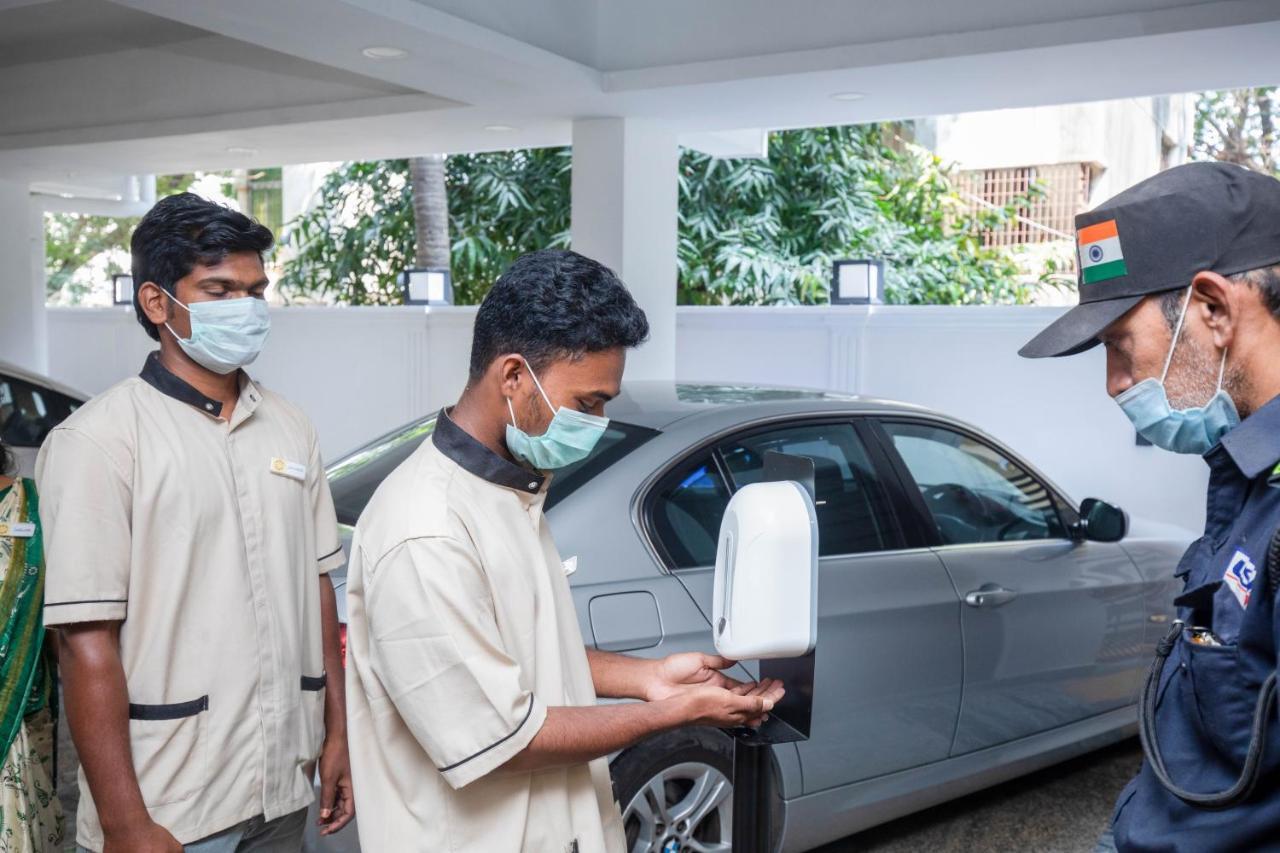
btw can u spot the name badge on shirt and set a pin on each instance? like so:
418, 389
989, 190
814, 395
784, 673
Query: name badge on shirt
18, 529
570, 566
292, 470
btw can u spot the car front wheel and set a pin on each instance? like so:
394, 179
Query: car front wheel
676, 793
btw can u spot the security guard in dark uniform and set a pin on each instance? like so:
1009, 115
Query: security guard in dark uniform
1180, 279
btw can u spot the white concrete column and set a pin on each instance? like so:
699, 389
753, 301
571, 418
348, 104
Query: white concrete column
624, 215
23, 325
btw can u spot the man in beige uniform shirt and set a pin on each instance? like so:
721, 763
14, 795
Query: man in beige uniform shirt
472, 699
188, 530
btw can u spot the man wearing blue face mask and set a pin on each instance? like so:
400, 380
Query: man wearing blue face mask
1180, 280
472, 699
188, 533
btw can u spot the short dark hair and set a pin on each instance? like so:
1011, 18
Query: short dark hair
554, 304
7, 462
183, 230
1265, 280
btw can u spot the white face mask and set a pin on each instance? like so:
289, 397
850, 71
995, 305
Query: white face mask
226, 334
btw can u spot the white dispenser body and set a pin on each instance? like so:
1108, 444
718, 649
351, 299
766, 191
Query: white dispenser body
766, 581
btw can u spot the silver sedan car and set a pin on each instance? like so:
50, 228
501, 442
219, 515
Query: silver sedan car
973, 626
30, 406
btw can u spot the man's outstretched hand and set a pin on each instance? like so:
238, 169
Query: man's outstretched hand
681, 673
677, 673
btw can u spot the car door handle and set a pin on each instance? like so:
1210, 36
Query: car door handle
990, 595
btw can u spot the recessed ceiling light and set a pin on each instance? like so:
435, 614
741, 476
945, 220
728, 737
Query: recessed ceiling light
848, 96
499, 128
242, 152
383, 51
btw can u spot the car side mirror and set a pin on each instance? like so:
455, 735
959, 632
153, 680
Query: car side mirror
765, 602
1102, 522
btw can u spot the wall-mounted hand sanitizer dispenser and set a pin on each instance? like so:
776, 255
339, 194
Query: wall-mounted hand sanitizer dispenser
766, 583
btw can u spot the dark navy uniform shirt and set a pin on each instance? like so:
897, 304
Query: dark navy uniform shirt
1207, 694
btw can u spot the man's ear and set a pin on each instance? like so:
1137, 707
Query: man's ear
154, 302
509, 368
1220, 305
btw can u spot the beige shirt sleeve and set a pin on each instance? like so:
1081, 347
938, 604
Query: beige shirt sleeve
329, 554
86, 508
435, 646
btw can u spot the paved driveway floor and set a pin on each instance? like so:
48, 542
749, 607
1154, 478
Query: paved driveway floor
1059, 810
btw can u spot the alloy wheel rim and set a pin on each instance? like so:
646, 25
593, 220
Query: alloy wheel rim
684, 808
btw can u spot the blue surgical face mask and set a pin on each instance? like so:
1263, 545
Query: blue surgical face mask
226, 334
570, 437
1195, 430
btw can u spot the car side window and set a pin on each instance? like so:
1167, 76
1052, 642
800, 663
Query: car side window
853, 508
686, 512
28, 412
973, 492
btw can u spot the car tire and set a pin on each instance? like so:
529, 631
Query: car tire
676, 763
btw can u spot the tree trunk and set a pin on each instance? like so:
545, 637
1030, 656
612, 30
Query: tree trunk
430, 210
244, 194
1267, 141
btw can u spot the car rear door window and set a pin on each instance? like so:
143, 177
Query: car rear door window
354, 478
686, 512
853, 508
29, 412
973, 492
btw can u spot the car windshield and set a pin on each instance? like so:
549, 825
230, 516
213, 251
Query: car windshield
355, 477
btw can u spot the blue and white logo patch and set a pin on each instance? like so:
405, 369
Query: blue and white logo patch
1239, 576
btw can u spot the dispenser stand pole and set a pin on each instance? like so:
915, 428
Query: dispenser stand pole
752, 796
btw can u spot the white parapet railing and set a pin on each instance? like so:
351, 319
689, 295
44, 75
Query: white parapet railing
360, 372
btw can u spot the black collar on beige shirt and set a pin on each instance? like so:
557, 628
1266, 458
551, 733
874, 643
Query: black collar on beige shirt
158, 376
456, 443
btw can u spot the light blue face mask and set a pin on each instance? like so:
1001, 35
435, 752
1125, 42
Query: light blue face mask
226, 334
1195, 430
570, 437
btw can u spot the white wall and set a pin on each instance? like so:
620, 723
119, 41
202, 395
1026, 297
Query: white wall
358, 372
1123, 136
362, 371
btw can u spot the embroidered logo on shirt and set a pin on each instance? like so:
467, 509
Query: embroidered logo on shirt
1239, 576
292, 470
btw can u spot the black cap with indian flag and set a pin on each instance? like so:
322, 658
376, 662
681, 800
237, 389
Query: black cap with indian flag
1155, 236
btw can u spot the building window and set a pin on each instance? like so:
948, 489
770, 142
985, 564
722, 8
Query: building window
1063, 192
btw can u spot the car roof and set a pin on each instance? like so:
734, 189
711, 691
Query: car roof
10, 369
658, 404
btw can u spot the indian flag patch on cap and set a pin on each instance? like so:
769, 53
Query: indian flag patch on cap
1100, 255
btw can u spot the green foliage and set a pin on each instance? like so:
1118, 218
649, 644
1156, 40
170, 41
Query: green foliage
359, 235
501, 205
750, 231
1239, 126
766, 231
71, 241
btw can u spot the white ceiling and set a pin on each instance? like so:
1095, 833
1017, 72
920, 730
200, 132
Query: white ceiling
92, 86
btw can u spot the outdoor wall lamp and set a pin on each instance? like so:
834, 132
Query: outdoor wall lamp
857, 281
122, 289
427, 286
